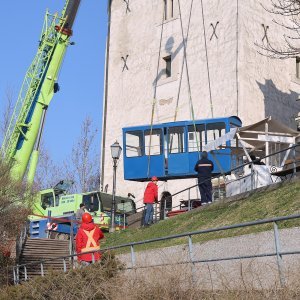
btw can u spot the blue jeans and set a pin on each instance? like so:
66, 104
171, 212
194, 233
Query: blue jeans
148, 214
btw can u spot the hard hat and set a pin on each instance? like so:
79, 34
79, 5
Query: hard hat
87, 218
154, 178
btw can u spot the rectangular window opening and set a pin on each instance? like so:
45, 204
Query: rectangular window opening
171, 8
168, 61
168, 9
298, 67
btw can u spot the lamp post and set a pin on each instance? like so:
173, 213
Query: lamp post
116, 150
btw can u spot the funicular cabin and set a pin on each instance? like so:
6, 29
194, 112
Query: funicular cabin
171, 150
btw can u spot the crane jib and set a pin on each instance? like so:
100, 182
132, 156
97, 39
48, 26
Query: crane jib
71, 11
25, 127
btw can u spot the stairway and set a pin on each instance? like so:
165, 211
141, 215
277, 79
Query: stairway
36, 250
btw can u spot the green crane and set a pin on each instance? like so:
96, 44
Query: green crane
23, 136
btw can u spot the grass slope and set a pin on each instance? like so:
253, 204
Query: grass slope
283, 201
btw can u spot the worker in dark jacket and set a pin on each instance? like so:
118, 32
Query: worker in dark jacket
204, 168
150, 196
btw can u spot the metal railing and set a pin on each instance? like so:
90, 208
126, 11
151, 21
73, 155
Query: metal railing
157, 213
250, 164
190, 260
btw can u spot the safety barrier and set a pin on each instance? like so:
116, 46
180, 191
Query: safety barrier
191, 260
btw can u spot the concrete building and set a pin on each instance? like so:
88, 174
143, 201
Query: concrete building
179, 58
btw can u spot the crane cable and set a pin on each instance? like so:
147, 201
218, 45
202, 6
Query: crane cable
155, 90
207, 64
182, 65
187, 74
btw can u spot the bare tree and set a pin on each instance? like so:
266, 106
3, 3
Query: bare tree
14, 206
48, 173
286, 14
7, 110
83, 168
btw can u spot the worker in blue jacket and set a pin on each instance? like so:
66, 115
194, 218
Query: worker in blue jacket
204, 168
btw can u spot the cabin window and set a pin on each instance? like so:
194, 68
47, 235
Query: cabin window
168, 68
196, 138
47, 200
124, 206
176, 140
91, 202
134, 141
232, 125
56, 200
153, 142
214, 131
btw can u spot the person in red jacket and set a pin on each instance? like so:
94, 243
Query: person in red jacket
150, 196
88, 239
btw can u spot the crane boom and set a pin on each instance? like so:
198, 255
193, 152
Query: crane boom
22, 138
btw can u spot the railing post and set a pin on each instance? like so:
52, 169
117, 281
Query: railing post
18, 274
15, 276
278, 255
252, 177
42, 269
189, 203
25, 273
132, 256
65, 265
124, 220
219, 189
294, 162
191, 255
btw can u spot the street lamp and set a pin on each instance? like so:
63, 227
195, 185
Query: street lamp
116, 150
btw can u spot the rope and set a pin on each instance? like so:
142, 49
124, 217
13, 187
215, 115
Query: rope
182, 65
207, 65
187, 74
155, 90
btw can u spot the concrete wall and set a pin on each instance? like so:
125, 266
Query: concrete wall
255, 272
242, 82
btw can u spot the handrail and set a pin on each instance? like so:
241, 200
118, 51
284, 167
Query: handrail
274, 220
223, 228
234, 169
21, 241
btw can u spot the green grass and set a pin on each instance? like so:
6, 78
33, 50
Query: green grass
283, 201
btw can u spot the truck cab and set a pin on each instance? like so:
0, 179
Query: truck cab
58, 203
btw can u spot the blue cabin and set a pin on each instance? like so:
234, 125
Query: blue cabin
171, 150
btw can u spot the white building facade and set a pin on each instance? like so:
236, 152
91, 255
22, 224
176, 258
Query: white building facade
181, 59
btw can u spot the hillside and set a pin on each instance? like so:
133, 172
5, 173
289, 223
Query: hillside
280, 200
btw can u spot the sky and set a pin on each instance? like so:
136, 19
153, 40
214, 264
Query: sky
82, 74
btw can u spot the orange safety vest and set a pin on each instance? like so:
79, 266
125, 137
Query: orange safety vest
91, 244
